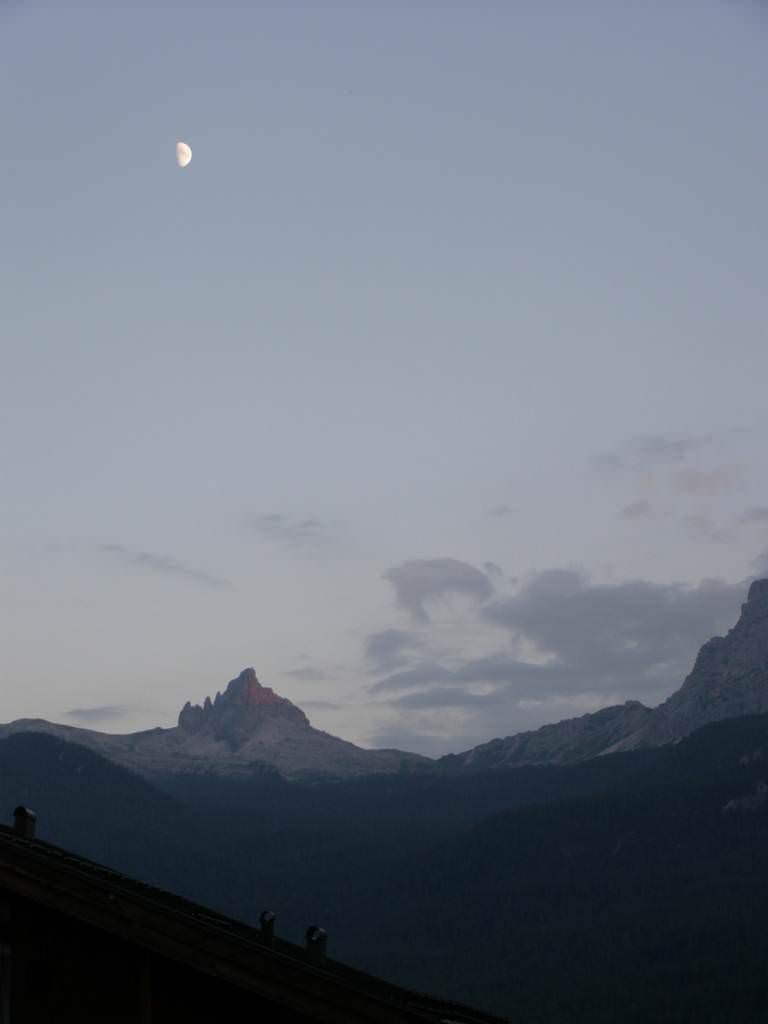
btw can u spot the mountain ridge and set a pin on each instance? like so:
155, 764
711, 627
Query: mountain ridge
729, 679
630, 887
244, 731
248, 729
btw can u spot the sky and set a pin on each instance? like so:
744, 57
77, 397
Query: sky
433, 388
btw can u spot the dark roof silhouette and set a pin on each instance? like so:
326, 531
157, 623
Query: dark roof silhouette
200, 938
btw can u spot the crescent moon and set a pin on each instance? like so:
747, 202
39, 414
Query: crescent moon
183, 154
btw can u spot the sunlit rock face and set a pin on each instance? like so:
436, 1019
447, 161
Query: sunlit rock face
242, 731
243, 708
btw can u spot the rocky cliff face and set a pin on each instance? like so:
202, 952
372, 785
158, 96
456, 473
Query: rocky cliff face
729, 678
244, 709
243, 730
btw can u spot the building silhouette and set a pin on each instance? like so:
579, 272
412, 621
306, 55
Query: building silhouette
80, 943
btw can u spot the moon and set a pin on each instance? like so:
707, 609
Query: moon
183, 154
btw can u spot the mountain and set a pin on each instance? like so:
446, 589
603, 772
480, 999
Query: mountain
629, 888
729, 679
575, 739
250, 731
644, 900
246, 730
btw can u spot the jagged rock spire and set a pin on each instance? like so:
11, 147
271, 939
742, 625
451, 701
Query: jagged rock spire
239, 709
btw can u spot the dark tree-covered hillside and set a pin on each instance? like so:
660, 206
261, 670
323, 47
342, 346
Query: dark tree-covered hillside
627, 888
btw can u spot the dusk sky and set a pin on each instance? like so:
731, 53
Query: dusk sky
434, 387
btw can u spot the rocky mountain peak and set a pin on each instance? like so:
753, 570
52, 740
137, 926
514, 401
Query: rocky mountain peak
754, 612
248, 691
242, 707
729, 678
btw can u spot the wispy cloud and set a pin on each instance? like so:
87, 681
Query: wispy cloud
320, 705
760, 564
757, 515
649, 451
388, 649
641, 509
493, 571
707, 483
308, 675
446, 697
703, 527
664, 462
165, 565
491, 669
280, 529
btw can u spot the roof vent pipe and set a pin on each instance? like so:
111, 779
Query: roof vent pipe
267, 922
317, 940
24, 822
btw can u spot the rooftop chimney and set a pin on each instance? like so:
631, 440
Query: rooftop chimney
267, 922
24, 822
317, 940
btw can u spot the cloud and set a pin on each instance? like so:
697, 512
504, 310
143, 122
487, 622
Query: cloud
99, 714
648, 451
638, 510
702, 527
308, 674
163, 564
760, 565
492, 668
445, 698
493, 571
387, 649
628, 637
707, 483
502, 511
320, 705
758, 514
422, 582
586, 645
280, 529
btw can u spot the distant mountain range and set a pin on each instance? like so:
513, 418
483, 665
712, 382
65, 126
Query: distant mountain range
527, 876
630, 887
248, 729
